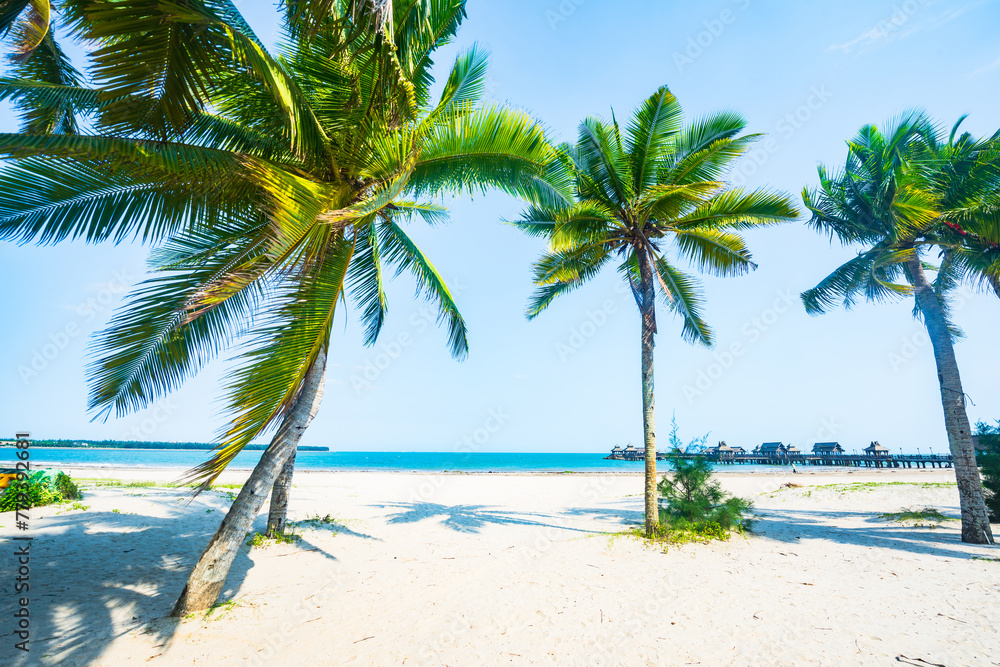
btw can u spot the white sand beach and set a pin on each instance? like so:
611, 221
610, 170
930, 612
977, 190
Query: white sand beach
495, 569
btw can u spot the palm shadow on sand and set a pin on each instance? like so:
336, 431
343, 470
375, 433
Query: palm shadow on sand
620, 511
471, 518
796, 526
123, 575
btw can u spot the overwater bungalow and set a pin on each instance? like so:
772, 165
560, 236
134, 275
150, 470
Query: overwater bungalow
876, 449
771, 449
827, 448
721, 450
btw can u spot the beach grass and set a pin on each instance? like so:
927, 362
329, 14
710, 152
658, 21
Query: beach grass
925, 514
261, 540
855, 487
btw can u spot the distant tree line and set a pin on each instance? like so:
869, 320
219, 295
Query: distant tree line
139, 444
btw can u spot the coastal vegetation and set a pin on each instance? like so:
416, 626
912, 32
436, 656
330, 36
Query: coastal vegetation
925, 514
905, 190
989, 465
264, 540
693, 507
854, 487
37, 490
656, 183
143, 444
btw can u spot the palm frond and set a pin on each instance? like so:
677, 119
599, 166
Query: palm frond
683, 296
398, 249
716, 251
285, 344
654, 123
561, 271
170, 326
365, 280
491, 148
737, 209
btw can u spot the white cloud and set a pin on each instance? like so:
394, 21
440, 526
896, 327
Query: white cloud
986, 68
906, 18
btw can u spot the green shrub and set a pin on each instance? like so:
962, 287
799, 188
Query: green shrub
988, 458
66, 488
692, 504
37, 490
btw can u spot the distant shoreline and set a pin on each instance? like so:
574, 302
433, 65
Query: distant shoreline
150, 446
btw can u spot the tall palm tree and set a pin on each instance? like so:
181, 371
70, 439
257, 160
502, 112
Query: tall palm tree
637, 190
898, 197
275, 188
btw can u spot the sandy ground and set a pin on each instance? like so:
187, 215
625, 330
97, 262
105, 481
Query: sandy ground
491, 569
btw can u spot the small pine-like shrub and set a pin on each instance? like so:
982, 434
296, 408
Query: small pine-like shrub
988, 458
694, 504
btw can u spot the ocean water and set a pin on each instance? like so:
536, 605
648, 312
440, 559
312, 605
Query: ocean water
346, 461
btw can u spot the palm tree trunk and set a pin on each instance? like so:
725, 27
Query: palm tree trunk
648, 315
277, 514
975, 521
209, 575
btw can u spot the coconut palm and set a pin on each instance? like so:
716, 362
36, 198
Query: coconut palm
963, 173
900, 193
637, 190
275, 188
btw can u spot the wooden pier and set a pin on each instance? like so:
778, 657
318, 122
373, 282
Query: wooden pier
837, 460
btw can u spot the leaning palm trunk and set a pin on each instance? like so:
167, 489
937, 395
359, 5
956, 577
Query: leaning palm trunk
277, 514
209, 575
975, 520
648, 316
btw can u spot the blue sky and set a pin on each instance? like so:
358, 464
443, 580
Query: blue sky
808, 74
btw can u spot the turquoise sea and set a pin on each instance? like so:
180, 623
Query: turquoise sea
385, 461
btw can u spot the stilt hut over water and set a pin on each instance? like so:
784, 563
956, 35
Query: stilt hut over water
722, 450
876, 449
772, 449
827, 448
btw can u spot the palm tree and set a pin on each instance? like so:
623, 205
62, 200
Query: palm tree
897, 196
659, 182
274, 187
